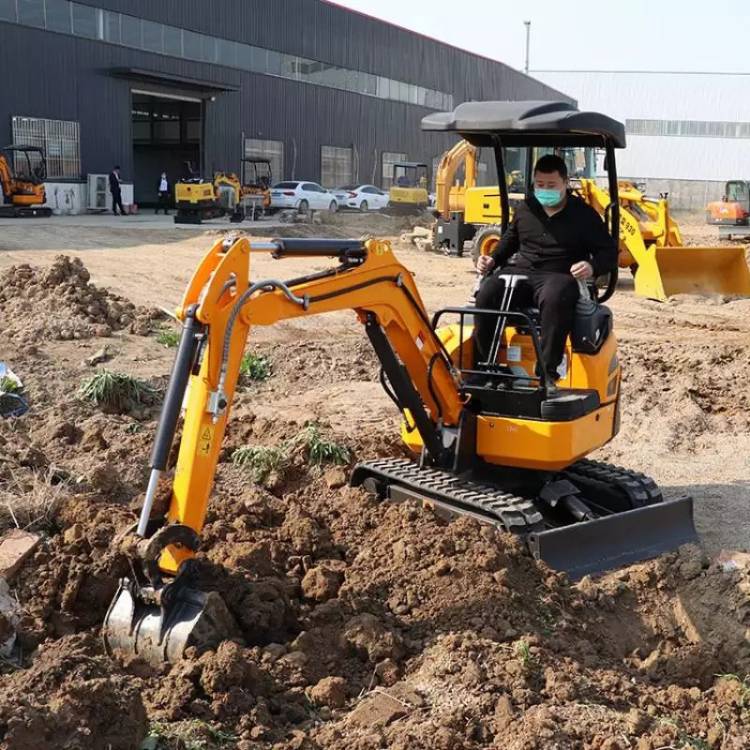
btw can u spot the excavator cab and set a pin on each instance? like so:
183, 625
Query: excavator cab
23, 170
511, 452
734, 207
408, 192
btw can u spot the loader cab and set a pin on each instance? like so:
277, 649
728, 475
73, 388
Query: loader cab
256, 173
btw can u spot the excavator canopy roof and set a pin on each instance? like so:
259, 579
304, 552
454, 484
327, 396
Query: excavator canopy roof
528, 123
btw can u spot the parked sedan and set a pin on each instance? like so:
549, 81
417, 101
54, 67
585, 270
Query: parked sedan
362, 197
303, 196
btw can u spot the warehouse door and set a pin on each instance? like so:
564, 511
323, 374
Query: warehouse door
166, 134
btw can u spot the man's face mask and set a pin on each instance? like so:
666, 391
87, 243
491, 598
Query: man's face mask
548, 196
549, 188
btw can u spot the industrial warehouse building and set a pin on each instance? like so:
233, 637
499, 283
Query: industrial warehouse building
325, 93
688, 133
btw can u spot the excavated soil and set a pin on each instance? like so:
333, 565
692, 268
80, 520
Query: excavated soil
363, 625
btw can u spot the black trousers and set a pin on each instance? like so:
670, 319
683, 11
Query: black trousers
117, 201
555, 294
163, 202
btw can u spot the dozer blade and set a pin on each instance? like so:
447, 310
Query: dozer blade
136, 625
613, 541
693, 270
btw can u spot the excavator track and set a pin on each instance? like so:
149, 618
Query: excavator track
400, 478
636, 489
631, 522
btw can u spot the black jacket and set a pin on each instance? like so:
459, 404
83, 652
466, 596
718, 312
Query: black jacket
555, 243
114, 183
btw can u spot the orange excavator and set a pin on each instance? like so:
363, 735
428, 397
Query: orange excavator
492, 440
23, 170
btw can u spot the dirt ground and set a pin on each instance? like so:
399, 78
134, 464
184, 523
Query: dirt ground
361, 626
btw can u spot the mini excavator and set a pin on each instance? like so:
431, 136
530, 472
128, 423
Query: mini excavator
511, 452
23, 170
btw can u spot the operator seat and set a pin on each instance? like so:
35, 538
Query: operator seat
591, 328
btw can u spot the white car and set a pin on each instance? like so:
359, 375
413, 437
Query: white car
361, 197
304, 196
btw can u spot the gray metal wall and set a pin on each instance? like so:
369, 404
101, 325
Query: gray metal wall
69, 78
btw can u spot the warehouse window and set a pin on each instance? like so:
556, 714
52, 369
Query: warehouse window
389, 159
130, 31
60, 140
271, 150
693, 128
335, 166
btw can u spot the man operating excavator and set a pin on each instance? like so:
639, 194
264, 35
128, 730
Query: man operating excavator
557, 240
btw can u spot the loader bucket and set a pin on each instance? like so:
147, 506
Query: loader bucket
137, 626
621, 539
692, 270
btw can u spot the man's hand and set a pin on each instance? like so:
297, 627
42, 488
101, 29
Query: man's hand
582, 270
485, 264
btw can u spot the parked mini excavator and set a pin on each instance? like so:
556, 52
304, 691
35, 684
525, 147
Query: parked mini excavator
23, 187
198, 199
650, 240
734, 208
408, 193
510, 452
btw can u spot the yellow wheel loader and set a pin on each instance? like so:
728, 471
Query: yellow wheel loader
511, 452
650, 241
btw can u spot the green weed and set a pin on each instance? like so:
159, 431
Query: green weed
189, 735
117, 392
8, 385
255, 367
523, 652
261, 461
319, 449
168, 337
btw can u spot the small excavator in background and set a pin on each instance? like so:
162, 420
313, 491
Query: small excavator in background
23, 187
408, 193
734, 208
255, 190
650, 241
490, 440
198, 199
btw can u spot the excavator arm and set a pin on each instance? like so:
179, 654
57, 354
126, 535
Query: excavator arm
220, 308
463, 153
6, 177
158, 617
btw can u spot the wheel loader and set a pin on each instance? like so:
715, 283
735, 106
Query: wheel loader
650, 240
23, 190
511, 452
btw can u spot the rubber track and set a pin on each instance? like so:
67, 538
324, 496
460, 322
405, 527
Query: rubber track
639, 488
517, 514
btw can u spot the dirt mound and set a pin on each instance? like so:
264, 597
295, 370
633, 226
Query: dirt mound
60, 303
71, 697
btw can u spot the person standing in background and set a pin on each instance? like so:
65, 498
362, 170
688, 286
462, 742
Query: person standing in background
114, 188
163, 194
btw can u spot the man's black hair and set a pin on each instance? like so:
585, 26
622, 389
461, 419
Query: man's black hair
117, 167
550, 163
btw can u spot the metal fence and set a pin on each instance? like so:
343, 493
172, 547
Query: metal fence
60, 140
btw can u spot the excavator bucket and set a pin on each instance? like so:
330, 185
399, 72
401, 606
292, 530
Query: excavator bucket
666, 271
159, 626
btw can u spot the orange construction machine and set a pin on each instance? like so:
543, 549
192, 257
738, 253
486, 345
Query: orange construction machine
23, 170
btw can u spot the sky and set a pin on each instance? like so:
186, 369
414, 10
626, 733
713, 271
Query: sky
683, 35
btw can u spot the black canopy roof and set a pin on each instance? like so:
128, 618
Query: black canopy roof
528, 123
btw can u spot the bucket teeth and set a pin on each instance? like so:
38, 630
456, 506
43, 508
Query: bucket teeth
158, 625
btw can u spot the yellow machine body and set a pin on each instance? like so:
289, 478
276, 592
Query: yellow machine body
193, 193
409, 187
539, 444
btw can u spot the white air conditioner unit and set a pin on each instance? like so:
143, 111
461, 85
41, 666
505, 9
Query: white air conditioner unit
99, 199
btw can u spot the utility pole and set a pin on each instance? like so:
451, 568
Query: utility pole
527, 24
